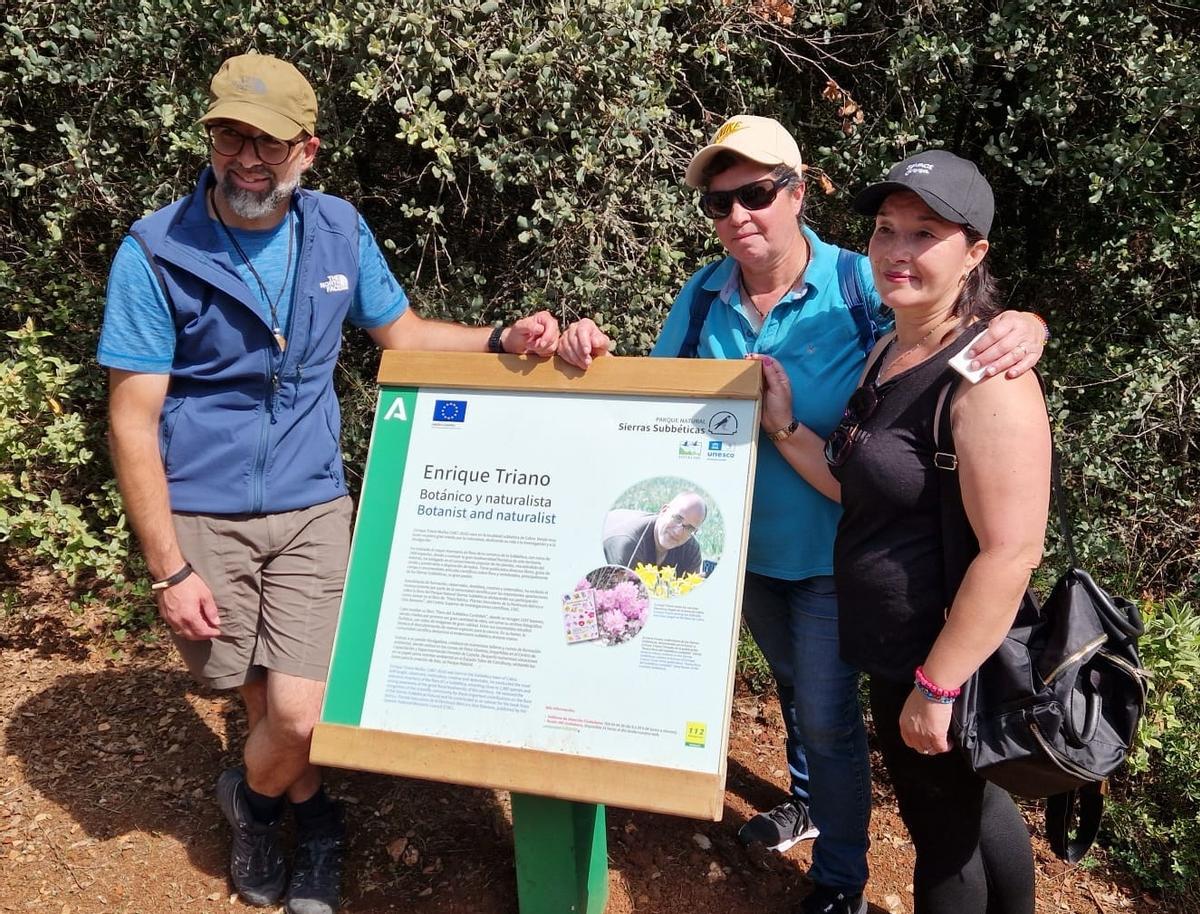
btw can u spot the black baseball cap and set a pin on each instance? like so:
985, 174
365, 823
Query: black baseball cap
950, 186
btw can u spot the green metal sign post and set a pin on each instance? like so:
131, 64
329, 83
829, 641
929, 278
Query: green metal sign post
562, 855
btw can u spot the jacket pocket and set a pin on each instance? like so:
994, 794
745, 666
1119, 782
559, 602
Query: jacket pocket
169, 422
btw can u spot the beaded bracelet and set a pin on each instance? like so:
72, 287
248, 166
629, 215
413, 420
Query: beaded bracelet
1045, 326
930, 691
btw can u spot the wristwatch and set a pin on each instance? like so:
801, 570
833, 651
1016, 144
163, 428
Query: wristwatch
494, 344
786, 431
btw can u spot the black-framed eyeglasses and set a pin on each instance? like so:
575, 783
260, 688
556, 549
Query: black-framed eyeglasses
679, 519
862, 406
270, 151
717, 204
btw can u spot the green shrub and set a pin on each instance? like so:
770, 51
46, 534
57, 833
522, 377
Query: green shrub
1153, 819
752, 666
44, 451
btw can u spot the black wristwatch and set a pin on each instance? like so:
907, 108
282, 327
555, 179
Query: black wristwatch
494, 344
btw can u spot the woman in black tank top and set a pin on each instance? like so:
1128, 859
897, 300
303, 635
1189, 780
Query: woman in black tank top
919, 635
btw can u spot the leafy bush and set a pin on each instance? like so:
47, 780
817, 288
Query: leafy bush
46, 443
1154, 812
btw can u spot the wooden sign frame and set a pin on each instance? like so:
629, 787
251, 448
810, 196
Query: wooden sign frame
338, 740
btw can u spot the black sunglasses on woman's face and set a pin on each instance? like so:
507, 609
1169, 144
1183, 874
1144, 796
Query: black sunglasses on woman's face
717, 204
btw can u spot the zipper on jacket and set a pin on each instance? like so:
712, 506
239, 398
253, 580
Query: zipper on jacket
268, 419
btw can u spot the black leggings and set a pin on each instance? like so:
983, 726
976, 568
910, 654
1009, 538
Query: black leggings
973, 852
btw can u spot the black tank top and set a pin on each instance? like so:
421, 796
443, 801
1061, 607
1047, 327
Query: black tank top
887, 557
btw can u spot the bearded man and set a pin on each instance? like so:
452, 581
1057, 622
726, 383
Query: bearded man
222, 329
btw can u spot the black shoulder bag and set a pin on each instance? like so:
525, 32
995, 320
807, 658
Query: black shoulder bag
1054, 711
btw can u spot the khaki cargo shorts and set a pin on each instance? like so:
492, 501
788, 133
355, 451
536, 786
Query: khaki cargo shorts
277, 580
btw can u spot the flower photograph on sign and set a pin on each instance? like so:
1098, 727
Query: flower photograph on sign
610, 605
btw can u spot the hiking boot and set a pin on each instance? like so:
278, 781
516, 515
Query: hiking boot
781, 828
825, 899
316, 885
255, 861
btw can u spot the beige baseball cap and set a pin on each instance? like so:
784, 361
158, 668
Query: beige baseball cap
759, 139
264, 92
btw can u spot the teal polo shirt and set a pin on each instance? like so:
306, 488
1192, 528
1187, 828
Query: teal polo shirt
812, 334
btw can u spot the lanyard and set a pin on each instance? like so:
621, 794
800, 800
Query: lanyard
273, 305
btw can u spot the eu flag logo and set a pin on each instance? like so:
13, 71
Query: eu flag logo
449, 410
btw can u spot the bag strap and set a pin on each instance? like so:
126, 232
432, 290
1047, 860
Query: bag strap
850, 285
701, 303
945, 459
1088, 804
958, 539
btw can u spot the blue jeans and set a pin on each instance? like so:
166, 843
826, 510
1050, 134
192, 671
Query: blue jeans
795, 625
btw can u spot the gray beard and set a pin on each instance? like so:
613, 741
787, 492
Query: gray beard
249, 204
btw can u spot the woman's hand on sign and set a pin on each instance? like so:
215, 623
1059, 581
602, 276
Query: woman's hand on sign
777, 393
583, 341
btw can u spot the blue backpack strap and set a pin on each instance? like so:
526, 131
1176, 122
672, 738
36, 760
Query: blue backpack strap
701, 303
850, 284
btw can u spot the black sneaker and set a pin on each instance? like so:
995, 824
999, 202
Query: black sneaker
255, 861
316, 885
781, 828
827, 900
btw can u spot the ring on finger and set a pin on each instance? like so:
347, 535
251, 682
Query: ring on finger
1024, 351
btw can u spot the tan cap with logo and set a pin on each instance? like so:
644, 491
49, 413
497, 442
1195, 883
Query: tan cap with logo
264, 92
759, 139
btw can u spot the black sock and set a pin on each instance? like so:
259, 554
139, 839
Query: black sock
263, 808
315, 812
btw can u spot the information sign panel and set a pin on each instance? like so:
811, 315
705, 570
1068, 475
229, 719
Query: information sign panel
544, 585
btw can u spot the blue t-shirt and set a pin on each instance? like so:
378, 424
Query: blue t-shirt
813, 335
139, 329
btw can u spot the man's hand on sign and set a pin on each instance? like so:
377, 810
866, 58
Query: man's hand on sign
583, 341
534, 335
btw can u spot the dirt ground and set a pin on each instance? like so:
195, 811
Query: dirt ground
106, 805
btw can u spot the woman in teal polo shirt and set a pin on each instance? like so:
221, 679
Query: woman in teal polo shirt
784, 293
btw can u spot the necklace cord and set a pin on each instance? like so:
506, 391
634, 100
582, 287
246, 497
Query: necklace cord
272, 305
803, 267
